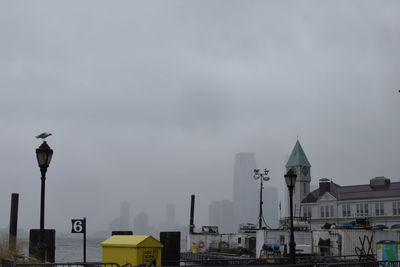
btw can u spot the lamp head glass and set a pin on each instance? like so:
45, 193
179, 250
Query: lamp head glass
43, 155
290, 178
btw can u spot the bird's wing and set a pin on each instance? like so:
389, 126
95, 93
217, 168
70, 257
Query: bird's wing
39, 136
43, 135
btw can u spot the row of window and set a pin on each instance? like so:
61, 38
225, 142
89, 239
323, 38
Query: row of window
396, 208
362, 210
326, 211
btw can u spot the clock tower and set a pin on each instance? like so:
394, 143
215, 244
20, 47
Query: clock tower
299, 164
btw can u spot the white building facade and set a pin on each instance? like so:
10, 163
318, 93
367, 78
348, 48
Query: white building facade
378, 203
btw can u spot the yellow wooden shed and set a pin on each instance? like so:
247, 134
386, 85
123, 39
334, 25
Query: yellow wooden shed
133, 249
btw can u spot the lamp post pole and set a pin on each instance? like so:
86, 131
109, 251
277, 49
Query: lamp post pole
42, 196
290, 178
292, 244
263, 177
43, 154
42, 241
260, 214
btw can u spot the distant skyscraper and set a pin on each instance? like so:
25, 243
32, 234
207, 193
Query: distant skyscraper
227, 217
271, 206
141, 224
115, 225
245, 202
170, 223
221, 214
124, 215
213, 213
122, 222
170, 214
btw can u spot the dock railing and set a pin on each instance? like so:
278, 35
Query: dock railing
206, 259
65, 264
217, 263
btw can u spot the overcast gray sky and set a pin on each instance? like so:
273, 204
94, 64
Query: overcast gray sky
148, 101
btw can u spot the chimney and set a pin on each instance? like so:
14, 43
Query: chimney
379, 183
324, 186
191, 225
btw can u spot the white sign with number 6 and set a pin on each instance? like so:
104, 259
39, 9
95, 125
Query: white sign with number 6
78, 226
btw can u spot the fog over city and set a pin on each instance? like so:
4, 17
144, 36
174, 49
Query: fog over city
149, 101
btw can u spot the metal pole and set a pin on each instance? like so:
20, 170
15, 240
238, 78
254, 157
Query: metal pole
41, 245
292, 244
42, 192
12, 239
84, 240
191, 224
261, 204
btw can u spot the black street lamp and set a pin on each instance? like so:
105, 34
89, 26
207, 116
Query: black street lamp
290, 178
43, 156
42, 241
263, 177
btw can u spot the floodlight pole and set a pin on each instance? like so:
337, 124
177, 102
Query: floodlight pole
260, 215
261, 176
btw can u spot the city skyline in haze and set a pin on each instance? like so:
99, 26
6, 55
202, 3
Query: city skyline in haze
149, 101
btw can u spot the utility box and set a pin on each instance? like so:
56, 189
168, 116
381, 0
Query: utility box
133, 249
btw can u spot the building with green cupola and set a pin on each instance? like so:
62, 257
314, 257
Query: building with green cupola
377, 203
300, 165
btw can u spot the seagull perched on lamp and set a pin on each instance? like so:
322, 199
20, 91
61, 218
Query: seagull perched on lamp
43, 135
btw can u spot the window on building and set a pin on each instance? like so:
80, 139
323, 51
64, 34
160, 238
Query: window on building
307, 211
282, 240
362, 209
346, 211
365, 209
379, 209
396, 208
327, 212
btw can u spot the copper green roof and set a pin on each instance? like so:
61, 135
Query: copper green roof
298, 157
